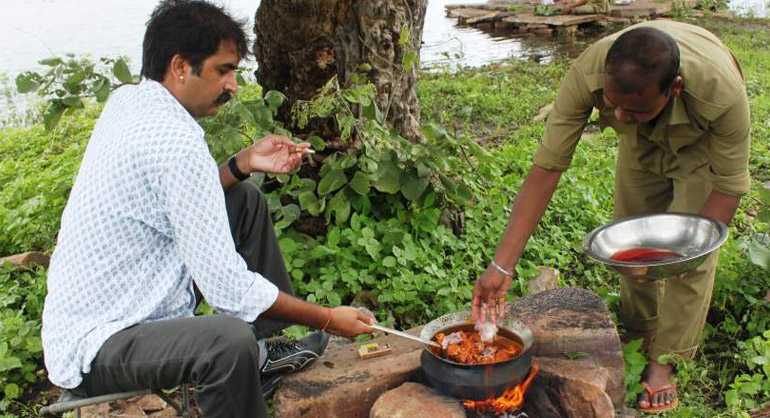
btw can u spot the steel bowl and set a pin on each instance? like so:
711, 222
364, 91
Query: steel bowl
475, 381
694, 237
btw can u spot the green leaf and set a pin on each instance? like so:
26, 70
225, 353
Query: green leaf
410, 60
339, 205
290, 213
274, 99
53, 114
434, 132
388, 177
9, 363
26, 82
332, 181
764, 193
73, 102
239, 79
317, 142
413, 186
101, 89
360, 183
389, 261
121, 71
12, 391
51, 62
405, 35
310, 202
759, 254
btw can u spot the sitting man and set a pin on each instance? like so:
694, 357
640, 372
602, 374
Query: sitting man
152, 223
676, 98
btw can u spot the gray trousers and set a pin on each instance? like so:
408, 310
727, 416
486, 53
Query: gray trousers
218, 355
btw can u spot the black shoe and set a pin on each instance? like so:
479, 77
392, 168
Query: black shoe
284, 356
270, 384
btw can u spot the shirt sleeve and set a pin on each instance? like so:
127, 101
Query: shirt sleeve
728, 149
565, 122
195, 204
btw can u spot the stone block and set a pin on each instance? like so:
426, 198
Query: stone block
28, 259
415, 400
340, 384
573, 322
582, 387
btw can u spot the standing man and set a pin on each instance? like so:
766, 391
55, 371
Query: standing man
152, 222
675, 96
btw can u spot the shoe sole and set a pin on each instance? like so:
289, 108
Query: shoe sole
290, 364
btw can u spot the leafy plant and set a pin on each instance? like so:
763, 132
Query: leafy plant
21, 306
546, 10
70, 80
635, 361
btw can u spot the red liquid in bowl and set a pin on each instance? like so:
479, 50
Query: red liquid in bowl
644, 255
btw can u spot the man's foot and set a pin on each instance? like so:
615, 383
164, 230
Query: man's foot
284, 356
660, 393
270, 384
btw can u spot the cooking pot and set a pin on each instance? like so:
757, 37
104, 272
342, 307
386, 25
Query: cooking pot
475, 381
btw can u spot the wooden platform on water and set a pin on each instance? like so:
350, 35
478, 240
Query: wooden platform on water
520, 16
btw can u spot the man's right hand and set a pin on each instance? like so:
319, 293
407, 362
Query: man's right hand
489, 294
349, 322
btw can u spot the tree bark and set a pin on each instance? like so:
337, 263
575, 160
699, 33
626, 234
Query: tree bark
301, 44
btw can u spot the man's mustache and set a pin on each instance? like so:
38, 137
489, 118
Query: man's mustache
223, 98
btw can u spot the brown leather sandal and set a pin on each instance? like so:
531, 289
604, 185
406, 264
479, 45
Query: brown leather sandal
655, 410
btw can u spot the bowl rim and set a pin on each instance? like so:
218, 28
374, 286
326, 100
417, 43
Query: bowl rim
719, 225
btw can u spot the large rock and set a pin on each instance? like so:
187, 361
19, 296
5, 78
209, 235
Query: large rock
29, 259
340, 384
415, 400
580, 387
571, 323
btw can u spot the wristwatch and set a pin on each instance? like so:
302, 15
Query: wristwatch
235, 171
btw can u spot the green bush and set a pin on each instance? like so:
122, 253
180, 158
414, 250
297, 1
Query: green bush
21, 307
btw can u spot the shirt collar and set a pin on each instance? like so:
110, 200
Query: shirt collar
170, 101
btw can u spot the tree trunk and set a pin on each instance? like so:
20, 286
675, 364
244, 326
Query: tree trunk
301, 44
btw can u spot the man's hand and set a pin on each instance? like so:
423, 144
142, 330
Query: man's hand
489, 295
349, 322
275, 154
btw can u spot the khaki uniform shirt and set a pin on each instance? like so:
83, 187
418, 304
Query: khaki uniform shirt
703, 132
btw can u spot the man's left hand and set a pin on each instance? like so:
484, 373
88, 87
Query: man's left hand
275, 154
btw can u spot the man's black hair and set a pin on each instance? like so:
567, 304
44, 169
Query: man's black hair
643, 56
193, 29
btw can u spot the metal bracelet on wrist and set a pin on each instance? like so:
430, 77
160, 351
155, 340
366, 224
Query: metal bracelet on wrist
501, 269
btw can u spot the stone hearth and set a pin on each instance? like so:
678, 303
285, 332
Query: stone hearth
577, 347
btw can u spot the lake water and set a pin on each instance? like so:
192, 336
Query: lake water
39, 29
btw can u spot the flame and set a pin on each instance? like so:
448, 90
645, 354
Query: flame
512, 399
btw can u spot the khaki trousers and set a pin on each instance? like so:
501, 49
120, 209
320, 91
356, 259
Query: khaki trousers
672, 312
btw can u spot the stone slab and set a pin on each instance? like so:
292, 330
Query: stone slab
573, 322
559, 20
340, 384
415, 400
28, 259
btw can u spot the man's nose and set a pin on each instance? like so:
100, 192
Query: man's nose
231, 83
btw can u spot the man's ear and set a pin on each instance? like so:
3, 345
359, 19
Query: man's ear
677, 86
178, 69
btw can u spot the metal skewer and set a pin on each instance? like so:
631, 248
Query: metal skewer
405, 335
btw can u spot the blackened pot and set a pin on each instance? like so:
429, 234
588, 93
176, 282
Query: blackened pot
475, 382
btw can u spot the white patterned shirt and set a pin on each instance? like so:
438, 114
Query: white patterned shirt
146, 217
